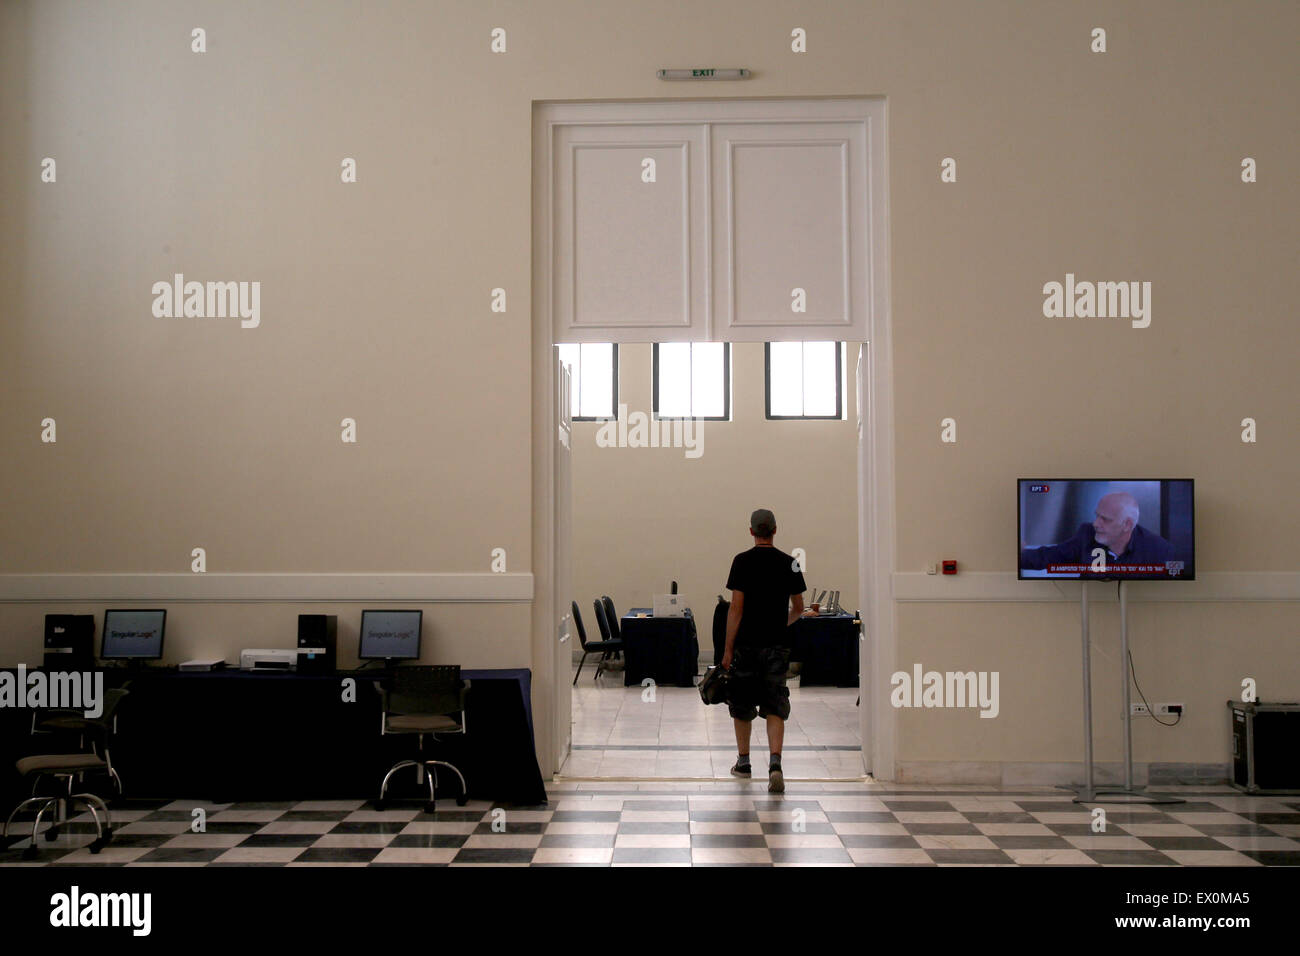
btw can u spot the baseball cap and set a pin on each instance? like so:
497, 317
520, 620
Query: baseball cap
763, 523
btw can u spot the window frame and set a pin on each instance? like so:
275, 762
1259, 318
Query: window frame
613, 416
767, 388
726, 385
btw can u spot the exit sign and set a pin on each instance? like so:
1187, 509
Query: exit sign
704, 73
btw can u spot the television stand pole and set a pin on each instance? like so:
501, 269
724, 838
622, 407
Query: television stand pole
1132, 793
1086, 792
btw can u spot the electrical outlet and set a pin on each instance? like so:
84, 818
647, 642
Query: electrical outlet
1137, 709
931, 569
1168, 710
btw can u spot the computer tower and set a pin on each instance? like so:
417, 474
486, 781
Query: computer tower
1265, 747
318, 642
69, 642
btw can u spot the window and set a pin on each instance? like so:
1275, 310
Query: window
593, 370
805, 379
692, 380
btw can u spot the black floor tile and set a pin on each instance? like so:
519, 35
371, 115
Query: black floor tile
1130, 857
279, 839
488, 855
379, 826
429, 841
586, 816
529, 827
581, 840
338, 854
1274, 857
787, 826
810, 855
729, 841
1186, 843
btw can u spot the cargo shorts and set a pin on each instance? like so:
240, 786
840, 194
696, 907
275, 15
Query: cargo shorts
758, 683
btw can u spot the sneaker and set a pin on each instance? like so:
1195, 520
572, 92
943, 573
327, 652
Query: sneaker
739, 771
775, 781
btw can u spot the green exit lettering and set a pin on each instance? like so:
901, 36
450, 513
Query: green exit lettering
701, 72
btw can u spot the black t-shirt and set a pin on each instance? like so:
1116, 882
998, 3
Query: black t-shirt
767, 577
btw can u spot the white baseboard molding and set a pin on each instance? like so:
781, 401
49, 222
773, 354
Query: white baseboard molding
1002, 586
243, 588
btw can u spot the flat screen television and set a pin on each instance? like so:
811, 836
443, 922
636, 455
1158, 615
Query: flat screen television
1107, 529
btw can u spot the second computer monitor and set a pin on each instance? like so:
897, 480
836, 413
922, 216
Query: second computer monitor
390, 635
133, 635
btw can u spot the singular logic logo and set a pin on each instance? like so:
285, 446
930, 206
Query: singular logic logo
213, 300
950, 689
1100, 300
639, 430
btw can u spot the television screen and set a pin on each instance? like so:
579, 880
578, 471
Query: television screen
1106, 528
391, 635
133, 635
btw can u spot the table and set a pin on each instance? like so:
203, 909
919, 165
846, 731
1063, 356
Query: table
234, 735
828, 647
664, 649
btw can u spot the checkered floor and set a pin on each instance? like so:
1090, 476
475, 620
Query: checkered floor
634, 823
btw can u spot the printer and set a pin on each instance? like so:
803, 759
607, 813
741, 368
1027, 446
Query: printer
272, 659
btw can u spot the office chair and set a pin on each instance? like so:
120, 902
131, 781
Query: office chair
612, 617
424, 700
604, 647
67, 768
76, 721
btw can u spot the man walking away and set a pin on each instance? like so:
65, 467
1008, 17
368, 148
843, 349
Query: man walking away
763, 581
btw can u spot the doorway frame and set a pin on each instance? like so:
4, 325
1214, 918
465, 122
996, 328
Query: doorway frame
876, 513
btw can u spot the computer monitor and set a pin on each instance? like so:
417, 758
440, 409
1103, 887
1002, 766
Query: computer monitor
133, 635
1109, 529
390, 635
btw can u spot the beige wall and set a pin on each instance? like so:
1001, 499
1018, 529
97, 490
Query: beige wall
177, 433
646, 516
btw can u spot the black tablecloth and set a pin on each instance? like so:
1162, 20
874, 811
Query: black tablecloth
231, 735
828, 648
665, 649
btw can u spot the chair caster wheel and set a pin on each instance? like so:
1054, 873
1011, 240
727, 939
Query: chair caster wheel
29, 853
430, 807
95, 846
52, 834
462, 800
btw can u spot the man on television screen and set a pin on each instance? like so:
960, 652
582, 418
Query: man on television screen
1115, 529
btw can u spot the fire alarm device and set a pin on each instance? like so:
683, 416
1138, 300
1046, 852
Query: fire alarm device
950, 567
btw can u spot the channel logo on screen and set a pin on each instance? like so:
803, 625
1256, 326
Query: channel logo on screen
1039, 489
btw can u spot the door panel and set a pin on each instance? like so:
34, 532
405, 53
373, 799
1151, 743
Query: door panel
631, 255
789, 206
564, 627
